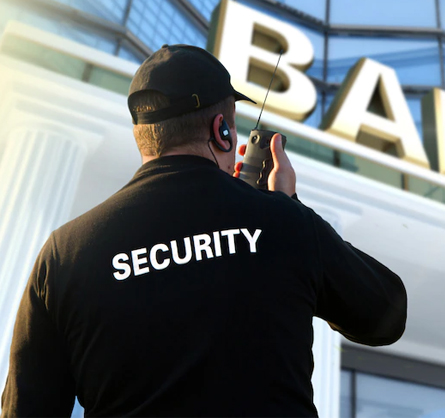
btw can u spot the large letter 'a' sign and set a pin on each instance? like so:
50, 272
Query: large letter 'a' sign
248, 42
349, 115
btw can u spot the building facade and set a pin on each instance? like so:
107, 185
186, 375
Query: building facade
66, 145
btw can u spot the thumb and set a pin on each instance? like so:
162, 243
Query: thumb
278, 155
282, 177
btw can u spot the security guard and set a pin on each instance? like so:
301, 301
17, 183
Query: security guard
188, 292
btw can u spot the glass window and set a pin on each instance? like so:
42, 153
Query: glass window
345, 394
314, 119
416, 61
61, 63
384, 12
83, 36
159, 22
29, 17
317, 41
60, 26
371, 170
315, 8
425, 189
442, 12
41, 56
113, 10
415, 107
205, 7
305, 147
309, 149
128, 53
383, 397
443, 50
109, 80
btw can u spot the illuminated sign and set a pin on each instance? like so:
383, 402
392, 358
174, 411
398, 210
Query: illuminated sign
248, 42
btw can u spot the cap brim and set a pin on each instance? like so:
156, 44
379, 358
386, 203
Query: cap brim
240, 96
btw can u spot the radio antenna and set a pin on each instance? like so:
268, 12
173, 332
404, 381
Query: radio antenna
268, 89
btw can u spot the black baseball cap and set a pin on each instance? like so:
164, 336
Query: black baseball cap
190, 77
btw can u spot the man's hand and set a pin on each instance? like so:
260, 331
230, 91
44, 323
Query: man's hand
282, 177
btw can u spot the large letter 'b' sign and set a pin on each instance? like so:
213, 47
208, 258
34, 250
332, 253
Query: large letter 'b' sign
248, 42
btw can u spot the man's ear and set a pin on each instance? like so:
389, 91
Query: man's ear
221, 134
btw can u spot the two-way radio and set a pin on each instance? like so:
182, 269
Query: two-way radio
258, 162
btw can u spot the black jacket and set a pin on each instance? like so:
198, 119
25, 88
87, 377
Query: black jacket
189, 293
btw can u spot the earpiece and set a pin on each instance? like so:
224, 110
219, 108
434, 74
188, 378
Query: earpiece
224, 132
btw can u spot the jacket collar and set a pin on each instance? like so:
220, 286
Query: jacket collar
174, 163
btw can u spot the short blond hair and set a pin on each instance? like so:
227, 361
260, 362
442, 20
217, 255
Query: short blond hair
190, 130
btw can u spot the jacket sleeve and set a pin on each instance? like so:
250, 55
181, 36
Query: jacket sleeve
358, 296
39, 382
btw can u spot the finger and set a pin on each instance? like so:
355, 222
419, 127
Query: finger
238, 166
242, 150
236, 174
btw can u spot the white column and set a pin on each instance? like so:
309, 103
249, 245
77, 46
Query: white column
326, 351
39, 173
326, 377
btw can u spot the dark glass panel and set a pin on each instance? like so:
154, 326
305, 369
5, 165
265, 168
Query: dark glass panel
416, 61
383, 397
158, 22
315, 8
384, 13
346, 394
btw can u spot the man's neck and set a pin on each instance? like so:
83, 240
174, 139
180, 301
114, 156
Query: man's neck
222, 162
181, 151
